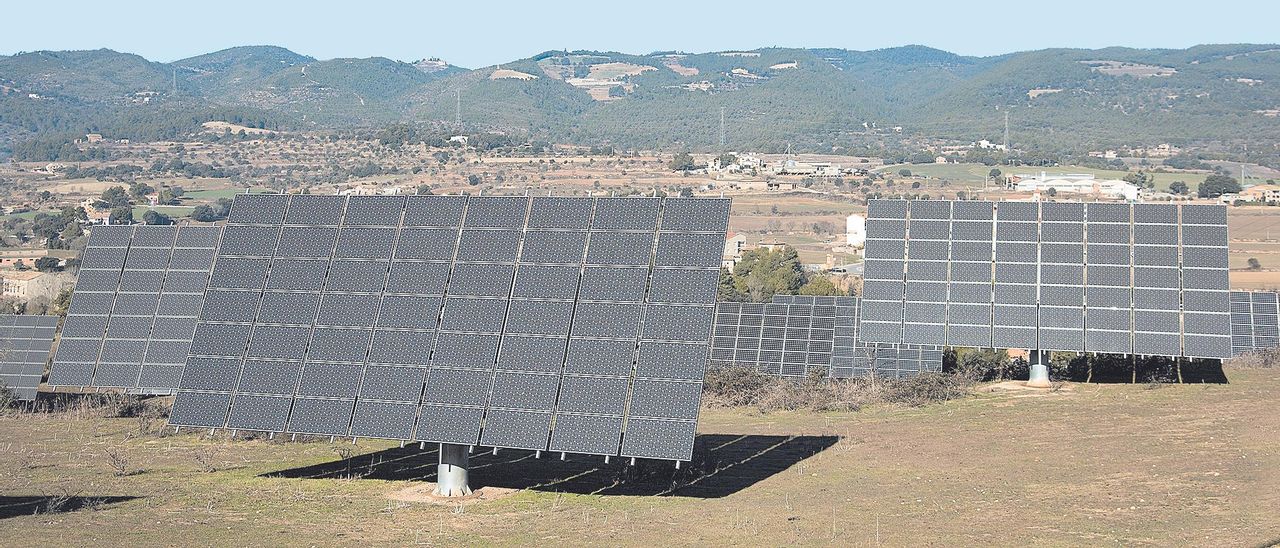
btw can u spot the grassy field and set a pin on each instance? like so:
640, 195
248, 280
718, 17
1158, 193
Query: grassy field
1085, 465
976, 174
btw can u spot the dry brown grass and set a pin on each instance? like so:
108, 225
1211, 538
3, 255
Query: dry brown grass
746, 387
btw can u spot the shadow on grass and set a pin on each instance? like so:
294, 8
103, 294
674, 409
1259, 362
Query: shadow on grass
14, 506
722, 464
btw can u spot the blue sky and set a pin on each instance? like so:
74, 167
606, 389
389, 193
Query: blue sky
481, 33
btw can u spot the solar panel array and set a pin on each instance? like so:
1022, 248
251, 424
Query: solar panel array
1146, 279
134, 309
799, 336
547, 323
25, 342
1255, 321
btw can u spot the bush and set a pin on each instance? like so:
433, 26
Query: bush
740, 386
1258, 359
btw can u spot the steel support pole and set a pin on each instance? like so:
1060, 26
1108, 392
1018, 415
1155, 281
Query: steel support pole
1039, 377
451, 475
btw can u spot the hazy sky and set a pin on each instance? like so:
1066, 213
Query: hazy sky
480, 33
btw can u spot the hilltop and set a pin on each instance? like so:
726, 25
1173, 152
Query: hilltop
816, 99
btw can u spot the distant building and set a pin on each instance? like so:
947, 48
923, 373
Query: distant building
734, 244
462, 139
9, 257
985, 144
856, 230
93, 138
1260, 193
27, 284
1075, 184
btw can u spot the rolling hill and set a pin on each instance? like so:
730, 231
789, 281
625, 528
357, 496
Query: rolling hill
816, 99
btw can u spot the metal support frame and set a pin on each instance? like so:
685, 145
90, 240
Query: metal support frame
451, 474
1039, 377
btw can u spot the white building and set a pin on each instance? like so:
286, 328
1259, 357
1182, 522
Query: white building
1075, 184
855, 232
734, 244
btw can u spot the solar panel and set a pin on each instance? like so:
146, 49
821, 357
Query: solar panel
1255, 321
563, 324
1145, 279
25, 344
133, 316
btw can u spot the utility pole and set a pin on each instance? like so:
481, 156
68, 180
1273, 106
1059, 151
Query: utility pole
1006, 131
721, 130
457, 109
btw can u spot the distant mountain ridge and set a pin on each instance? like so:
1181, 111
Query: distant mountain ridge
813, 98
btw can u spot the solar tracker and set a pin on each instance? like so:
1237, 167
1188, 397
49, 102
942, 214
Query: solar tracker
1254, 321
1145, 279
134, 309
25, 342
826, 345
546, 323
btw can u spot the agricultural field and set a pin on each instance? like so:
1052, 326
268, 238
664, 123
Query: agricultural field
1085, 464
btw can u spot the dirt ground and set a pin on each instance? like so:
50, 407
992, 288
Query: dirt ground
1090, 465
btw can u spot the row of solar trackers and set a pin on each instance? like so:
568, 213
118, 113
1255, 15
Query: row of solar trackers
25, 343
800, 336
1144, 279
562, 324
1255, 321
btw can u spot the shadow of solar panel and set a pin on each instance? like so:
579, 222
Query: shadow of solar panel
1013, 337
550, 282
886, 229
401, 347
339, 345
314, 416
488, 245
593, 435
231, 306
600, 357
612, 320
440, 424
269, 377
439, 211
895, 209
496, 211
482, 280
109, 236
200, 409
386, 383
517, 429
465, 350
553, 247
383, 420
1114, 342
285, 343
347, 310
419, 278
374, 211
239, 273
458, 387
330, 380
661, 439
561, 213
306, 241
261, 413
678, 323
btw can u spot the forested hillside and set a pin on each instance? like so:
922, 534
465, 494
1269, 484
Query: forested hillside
814, 99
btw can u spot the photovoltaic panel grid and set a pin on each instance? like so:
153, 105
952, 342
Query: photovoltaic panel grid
798, 336
1254, 321
546, 323
134, 309
1145, 279
25, 342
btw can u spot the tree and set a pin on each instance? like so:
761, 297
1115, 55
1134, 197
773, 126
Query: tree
167, 197
683, 161
424, 189
1217, 185
139, 190
1255, 264
115, 197
904, 172
121, 216
761, 273
474, 179
1140, 179
204, 213
47, 264
1178, 187
727, 160
994, 174
1051, 192
819, 285
20, 265
153, 217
